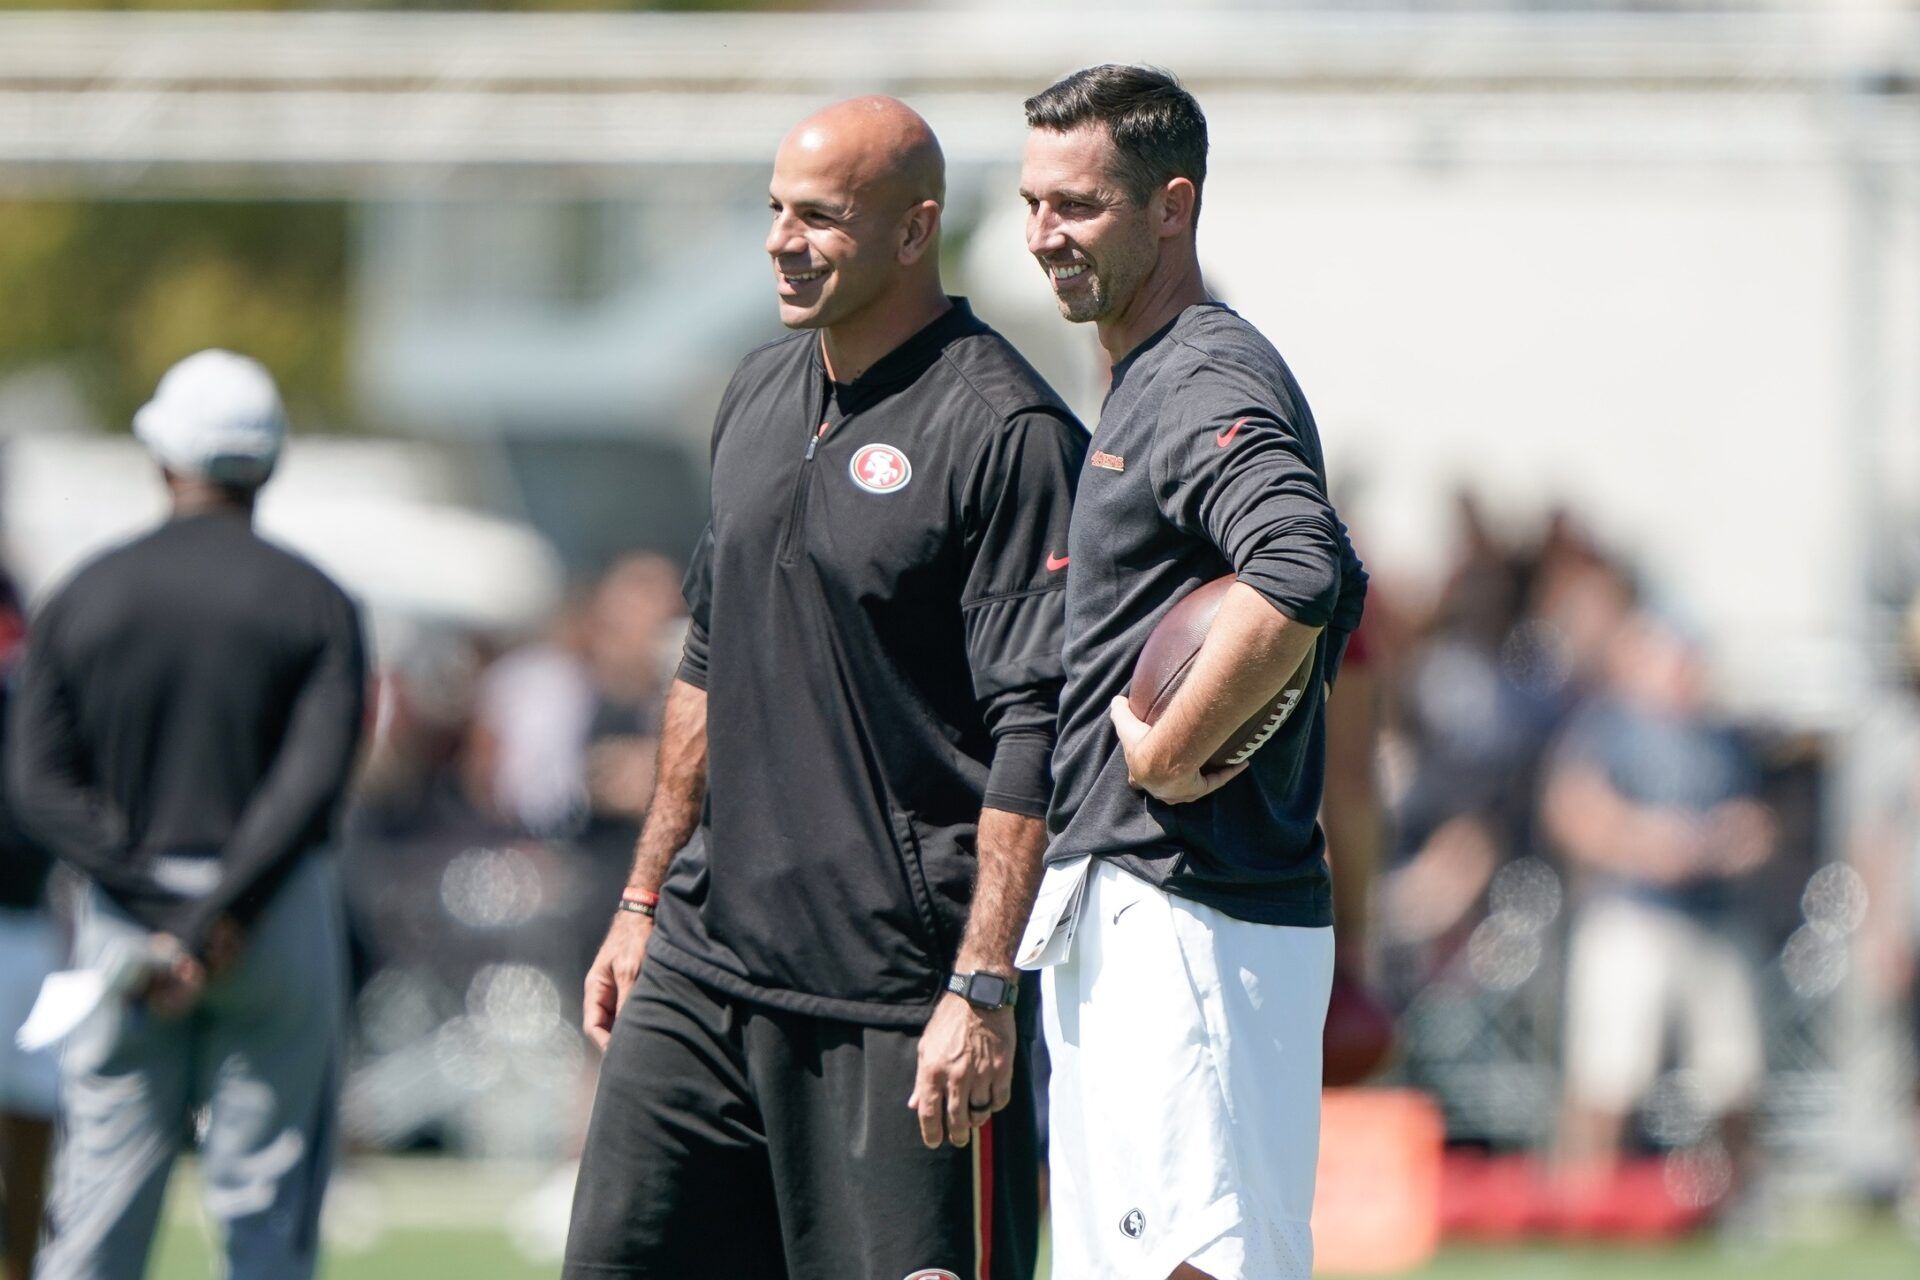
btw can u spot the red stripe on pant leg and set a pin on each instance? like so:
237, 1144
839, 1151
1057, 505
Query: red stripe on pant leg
986, 1195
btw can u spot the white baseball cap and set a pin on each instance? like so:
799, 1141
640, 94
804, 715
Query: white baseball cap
215, 414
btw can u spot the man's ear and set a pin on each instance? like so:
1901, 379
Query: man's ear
919, 231
1178, 199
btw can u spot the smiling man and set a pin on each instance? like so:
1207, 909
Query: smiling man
806, 1055
1184, 920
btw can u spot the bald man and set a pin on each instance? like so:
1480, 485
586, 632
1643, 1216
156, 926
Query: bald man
807, 996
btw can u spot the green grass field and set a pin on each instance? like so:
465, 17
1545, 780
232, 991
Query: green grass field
444, 1220
404, 1255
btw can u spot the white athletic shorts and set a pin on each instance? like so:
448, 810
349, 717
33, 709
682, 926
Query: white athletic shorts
1185, 1099
29, 1082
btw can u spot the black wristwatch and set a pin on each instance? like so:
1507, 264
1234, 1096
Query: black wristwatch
988, 991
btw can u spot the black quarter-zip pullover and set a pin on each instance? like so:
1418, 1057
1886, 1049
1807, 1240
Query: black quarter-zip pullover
877, 619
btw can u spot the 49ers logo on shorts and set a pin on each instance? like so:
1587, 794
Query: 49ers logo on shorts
880, 468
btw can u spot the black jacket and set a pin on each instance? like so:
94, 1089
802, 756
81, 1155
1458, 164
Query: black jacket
195, 690
877, 621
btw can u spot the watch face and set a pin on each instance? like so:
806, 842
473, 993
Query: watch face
988, 988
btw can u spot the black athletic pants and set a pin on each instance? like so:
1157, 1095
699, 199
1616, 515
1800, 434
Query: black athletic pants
730, 1139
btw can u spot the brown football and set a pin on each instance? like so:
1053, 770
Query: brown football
1358, 1035
1168, 655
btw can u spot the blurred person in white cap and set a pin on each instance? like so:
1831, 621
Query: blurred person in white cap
186, 719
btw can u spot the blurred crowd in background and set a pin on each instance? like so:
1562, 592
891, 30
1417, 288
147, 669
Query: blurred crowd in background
1608, 920
493, 825
1608, 915
1616, 928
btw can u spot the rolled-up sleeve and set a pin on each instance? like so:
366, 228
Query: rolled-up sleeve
698, 585
698, 590
1233, 467
1018, 498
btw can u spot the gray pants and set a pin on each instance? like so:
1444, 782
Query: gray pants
260, 1053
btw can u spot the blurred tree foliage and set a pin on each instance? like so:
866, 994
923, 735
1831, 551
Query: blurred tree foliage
114, 292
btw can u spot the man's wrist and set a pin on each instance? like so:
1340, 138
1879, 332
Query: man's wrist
1001, 966
1155, 762
986, 992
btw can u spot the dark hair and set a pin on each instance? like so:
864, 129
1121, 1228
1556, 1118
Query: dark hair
1156, 126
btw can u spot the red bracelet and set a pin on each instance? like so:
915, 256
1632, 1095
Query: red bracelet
647, 896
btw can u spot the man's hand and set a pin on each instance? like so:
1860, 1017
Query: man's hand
226, 941
671, 821
966, 1070
1170, 785
613, 973
178, 979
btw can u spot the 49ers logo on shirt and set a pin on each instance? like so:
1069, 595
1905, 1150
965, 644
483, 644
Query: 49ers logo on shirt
880, 468
935, 1274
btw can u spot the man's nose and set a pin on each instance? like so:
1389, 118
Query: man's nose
782, 234
1043, 231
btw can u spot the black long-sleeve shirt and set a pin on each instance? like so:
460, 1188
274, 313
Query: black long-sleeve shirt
1206, 462
877, 620
196, 691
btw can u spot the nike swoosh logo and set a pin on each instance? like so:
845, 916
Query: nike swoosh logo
1225, 438
1123, 910
1056, 563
